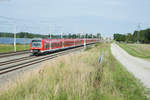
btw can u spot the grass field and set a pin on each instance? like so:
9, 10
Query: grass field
78, 77
138, 50
10, 47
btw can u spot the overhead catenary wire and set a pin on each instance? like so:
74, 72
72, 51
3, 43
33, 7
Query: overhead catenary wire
31, 25
14, 38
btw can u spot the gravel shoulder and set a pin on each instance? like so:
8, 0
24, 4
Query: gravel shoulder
138, 67
14, 57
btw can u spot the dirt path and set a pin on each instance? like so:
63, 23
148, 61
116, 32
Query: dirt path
138, 67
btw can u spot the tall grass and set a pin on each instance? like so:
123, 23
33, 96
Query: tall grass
78, 77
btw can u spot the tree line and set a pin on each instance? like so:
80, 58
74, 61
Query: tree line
142, 36
31, 35
22, 35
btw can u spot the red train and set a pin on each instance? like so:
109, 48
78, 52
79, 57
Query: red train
39, 46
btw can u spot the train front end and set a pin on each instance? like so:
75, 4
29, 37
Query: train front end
36, 46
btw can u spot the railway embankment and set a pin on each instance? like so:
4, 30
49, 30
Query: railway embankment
77, 76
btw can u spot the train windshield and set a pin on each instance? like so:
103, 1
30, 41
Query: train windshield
36, 43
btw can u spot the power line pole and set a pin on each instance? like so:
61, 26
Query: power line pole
138, 34
50, 36
24, 41
79, 35
84, 40
61, 35
25, 38
62, 39
15, 38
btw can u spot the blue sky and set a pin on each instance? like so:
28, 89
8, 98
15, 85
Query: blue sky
76, 16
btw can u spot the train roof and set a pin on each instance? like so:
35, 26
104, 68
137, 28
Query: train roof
36, 39
46, 39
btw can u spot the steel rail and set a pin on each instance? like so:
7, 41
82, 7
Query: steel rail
12, 52
16, 60
2, 55
36, 61
19, 59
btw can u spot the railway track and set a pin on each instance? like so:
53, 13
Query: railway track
16, 60
35, 60
2, 55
